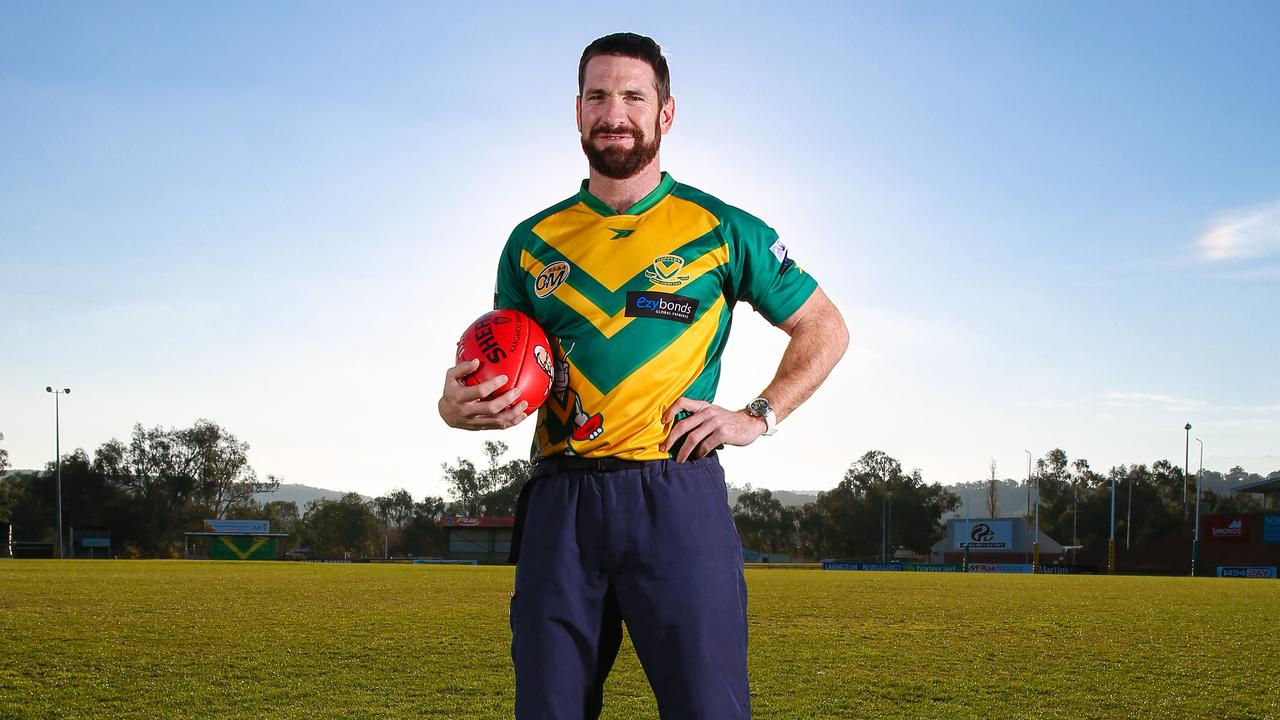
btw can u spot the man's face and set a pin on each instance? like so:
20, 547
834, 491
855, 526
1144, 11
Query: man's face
619, 117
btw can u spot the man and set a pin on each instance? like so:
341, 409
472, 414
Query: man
625, 517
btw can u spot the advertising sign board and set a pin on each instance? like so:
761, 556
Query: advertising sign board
1271, 528
238, 527
933, 567
460, 521
1016, 568
1226, 528
1247, 572
837, 565
983, 535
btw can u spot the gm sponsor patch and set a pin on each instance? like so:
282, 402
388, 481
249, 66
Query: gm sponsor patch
663, 306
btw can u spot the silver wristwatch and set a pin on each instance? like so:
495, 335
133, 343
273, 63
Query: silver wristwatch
761, 408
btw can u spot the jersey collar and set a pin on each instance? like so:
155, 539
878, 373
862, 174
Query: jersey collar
665, 186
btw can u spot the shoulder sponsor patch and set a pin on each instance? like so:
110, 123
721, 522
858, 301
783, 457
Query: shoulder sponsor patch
663, 306
779, 250
551, 278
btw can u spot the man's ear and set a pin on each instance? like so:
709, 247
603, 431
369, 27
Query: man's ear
667, 116
577, 112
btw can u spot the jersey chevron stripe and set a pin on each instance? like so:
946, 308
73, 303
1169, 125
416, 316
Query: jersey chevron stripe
604, 309
607, 323
701, 255
616, 357
637, 420
685, 259
611, 262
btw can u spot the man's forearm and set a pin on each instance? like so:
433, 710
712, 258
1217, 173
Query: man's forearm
818, 341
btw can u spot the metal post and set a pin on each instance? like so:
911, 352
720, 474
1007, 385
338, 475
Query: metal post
884, 522
1111, 544
1128, 514
1186, 468
57, 458
1035, 546
1028, 515
1075, 515
57, 452
1195, 539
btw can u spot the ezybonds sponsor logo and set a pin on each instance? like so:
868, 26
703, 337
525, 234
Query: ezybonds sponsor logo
551, 277
663, 306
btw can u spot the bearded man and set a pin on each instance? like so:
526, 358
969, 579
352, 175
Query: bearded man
626, 517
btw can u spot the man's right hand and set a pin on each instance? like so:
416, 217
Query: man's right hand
469, 407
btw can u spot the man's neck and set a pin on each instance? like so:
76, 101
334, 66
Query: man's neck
622, 194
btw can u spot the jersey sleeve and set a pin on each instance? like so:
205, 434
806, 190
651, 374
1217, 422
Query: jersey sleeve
511, 290
765, 275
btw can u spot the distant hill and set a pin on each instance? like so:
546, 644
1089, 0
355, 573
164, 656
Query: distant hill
300, 494
1263, 465
788, 498
973, 499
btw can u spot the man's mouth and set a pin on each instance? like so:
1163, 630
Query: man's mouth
613, 135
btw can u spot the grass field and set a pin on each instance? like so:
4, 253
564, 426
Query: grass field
174, 639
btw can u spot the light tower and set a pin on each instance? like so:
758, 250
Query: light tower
57, 457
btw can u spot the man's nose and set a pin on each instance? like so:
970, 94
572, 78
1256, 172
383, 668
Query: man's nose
615, 112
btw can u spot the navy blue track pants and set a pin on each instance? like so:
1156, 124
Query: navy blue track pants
654, 547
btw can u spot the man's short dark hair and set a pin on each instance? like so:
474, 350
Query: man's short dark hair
630, 45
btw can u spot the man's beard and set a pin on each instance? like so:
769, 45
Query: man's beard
615, 161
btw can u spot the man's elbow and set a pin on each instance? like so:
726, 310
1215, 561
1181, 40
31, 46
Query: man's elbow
825, 327
839, 335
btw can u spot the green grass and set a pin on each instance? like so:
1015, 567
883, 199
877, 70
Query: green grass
174, 639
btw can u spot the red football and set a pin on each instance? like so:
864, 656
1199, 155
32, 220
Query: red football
508, 342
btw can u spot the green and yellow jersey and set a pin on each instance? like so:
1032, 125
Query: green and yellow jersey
640, 305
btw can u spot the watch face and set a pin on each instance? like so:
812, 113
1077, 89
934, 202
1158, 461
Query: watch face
758, 407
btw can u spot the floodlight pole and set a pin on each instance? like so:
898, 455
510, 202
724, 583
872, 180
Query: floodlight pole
1111, 544
1028, 515
1195, 539
57, 458
1128, 513
1035, 545
1075, 515
1186, 468
884, 524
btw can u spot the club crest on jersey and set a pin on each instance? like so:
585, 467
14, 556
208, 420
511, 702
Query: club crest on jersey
551, 277
666, 271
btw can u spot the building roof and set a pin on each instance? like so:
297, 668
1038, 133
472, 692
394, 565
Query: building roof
1262, 487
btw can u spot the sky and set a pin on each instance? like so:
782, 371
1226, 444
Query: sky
1047, 225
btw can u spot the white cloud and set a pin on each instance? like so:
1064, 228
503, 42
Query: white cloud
1242, 234
1131, 399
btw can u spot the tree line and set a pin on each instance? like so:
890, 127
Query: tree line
878, 509
165, 482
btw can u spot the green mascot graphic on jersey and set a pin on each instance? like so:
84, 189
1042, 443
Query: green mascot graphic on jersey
565, 405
